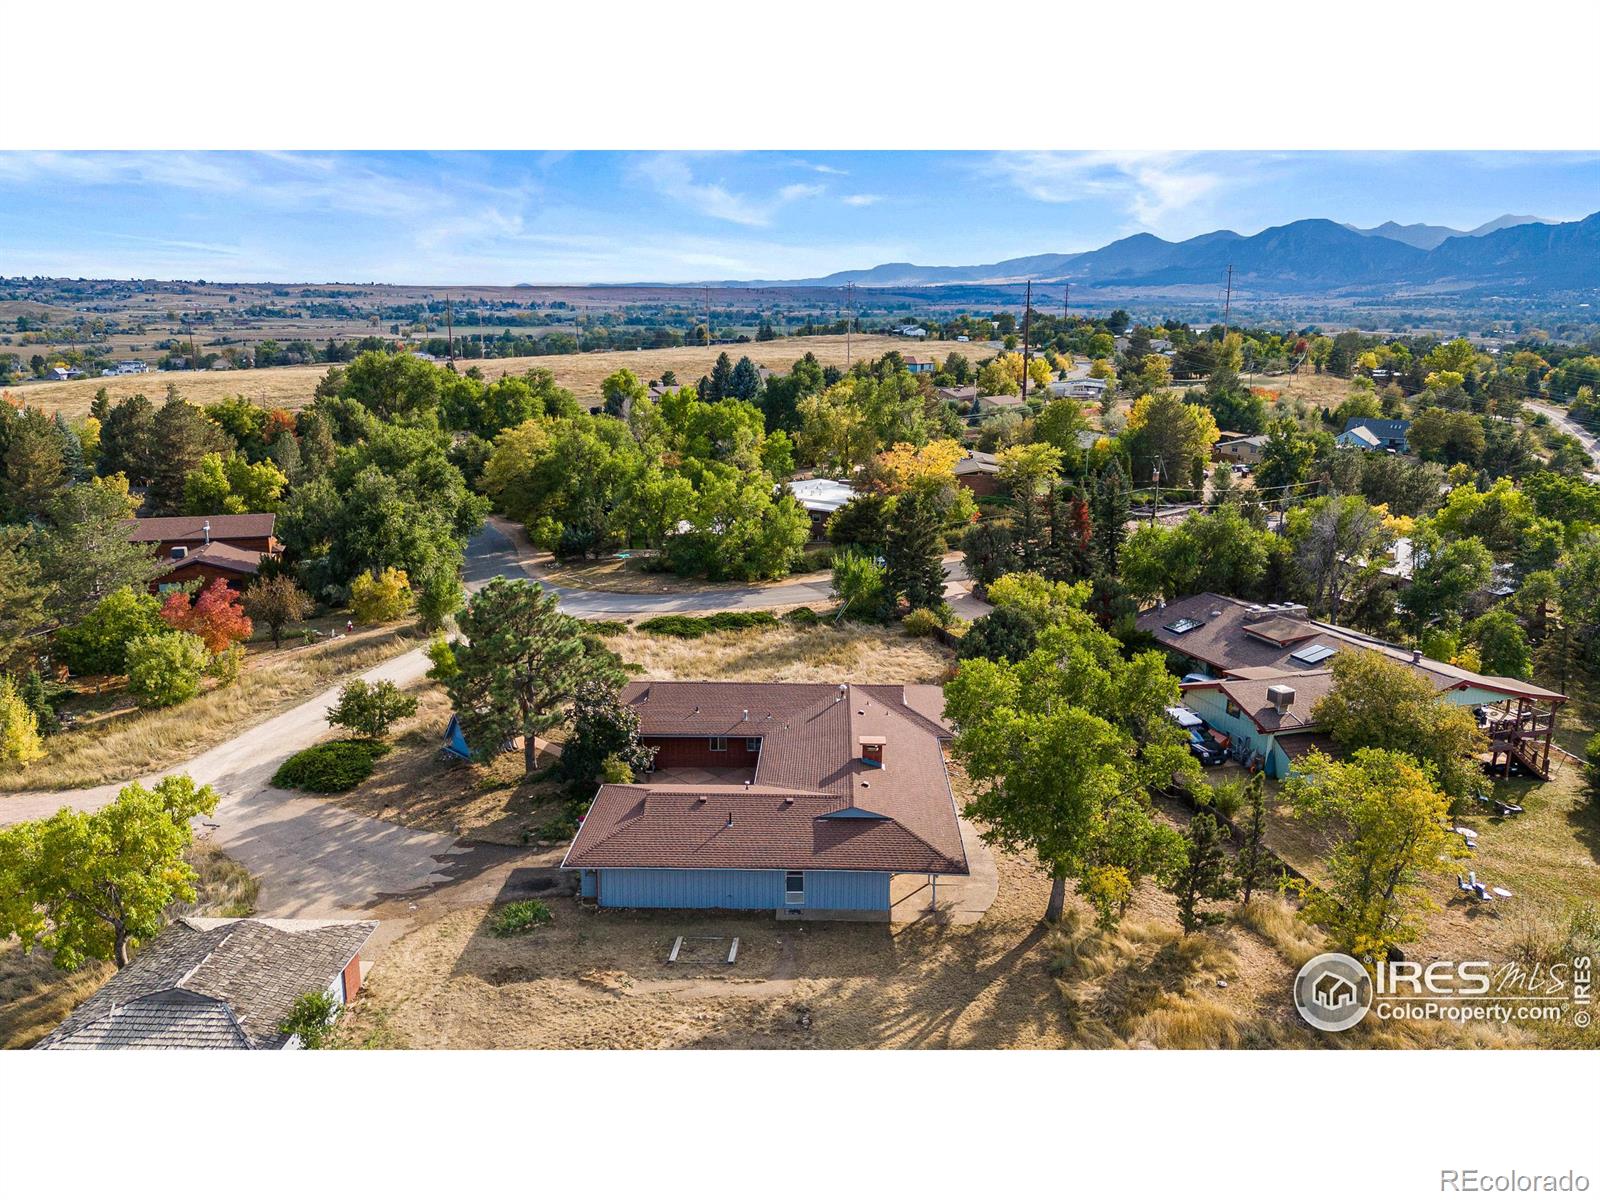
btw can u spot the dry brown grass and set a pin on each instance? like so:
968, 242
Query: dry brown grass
1279, 923
629, 576
790, 654
292, 387
135, 742
415, 786
35, 996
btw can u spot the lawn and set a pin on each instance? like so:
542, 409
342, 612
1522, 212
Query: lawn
115, 740
35, 997
292, 387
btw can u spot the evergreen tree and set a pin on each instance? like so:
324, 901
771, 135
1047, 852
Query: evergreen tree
1110, 519
1203, 874
721, 382
127, 440
745, 381
100, 406
71, 451
183, 436
915, 555
1252, 868
1070, 556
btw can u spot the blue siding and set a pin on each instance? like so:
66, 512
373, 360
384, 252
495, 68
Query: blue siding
586, 884
642, 888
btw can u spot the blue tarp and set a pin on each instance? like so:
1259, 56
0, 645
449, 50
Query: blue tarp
455, 742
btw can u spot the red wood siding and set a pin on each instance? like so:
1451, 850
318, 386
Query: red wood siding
352, 978
697, 752
206, 572
264, 545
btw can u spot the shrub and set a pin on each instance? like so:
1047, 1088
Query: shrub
370, 708
802, 616
276, 601
616, 769
227, 666
1005, 635
385, 598
215, 617
818, 558
98, 644
922, 622
165, 668
1227, 797
329, 766
607, 628
1592, 771
311, 1019
518, 917
694, 627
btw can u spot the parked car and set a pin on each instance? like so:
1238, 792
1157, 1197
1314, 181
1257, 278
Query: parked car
1207, 751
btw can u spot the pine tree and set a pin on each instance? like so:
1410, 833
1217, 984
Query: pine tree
720, 385
1251, 868
1071, 552
1110, 519
71, 451
185, 436
745, 381
1204, 874
915, 566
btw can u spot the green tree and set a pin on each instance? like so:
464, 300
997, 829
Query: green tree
519, 664
439, 594
1004, 635
165, 668
990, 551
276, 601
915, 557
1444, 573
22, 592
33, 469
128, 440
310, 1020
1286, 458
96, 884
858, 585
1252, 869
232, 485
98, 644
1378, 703
1203, 874
84, 553
604, 730
1054, 744
1390, 820
182, 437
1502, 646
369, 709
621, 390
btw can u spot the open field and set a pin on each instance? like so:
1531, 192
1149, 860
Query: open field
789, 654
292, 387
35, 997
120, 741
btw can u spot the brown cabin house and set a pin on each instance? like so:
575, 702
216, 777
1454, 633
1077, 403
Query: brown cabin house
226, 546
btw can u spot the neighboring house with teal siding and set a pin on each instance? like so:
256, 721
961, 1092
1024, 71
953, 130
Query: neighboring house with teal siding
1269, 664
788, 798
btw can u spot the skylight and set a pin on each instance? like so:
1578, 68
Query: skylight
1312, 654
1182, 625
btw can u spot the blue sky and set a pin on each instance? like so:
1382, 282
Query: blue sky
579, 217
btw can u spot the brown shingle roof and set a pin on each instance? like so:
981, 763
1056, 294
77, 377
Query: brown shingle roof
809, 768
180, 529
212, 983
220, 554
1223, 638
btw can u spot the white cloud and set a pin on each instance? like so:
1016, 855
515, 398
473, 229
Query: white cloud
673, 177
860, 199
1152, 187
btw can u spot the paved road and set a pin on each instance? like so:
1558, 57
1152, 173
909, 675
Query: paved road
315, 858
1566, 424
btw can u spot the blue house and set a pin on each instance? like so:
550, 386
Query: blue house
787, 798
1267, 665
1375, 433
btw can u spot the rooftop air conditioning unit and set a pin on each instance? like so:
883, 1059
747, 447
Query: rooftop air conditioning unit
1281, 697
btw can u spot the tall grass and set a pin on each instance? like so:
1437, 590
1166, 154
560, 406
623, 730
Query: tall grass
790, 654
136, 743
1276, 920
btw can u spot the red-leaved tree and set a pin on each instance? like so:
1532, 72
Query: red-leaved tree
215, 617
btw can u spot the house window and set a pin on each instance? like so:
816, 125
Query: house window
719, 744
752, 745
794, 888
1234, 710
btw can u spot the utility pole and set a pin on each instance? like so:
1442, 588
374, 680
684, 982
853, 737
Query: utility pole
450, 331
1027, 312
1066, 302
708, 315
849, 322
1155, 478
1227, 304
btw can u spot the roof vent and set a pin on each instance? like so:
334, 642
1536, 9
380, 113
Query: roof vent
1281, 697
1215, 613
746, 716
729, 825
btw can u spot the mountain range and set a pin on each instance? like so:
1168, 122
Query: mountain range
1510, 254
